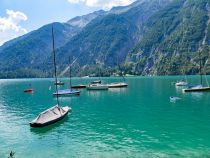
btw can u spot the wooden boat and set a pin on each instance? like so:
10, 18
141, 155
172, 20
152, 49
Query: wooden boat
59, 83
96, 82
66, 92
117, 85
28, 91
97, 87
50, 116
80, 86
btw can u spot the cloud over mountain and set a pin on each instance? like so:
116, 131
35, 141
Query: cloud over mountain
10, 25
105, 4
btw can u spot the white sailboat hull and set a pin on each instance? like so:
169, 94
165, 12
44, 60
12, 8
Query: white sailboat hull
117, 85
97, 87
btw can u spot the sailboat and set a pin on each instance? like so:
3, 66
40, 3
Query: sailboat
96, 82
198, 88
118, 84
55, 113
182, 82
79, 86
67, 92
97, 87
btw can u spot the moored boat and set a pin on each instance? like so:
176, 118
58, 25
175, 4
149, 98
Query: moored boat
97, 87
198, 88
50, 116
55, 113
181, 83
96, 82
117, 85
66, 92
59, 83
80, 86
28, 91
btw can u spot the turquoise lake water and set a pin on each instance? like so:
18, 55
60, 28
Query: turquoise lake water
137, 121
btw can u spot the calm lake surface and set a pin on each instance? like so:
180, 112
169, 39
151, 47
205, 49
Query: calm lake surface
137, 121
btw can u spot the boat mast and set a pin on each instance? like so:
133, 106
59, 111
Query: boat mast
70, 71
119, 67
55, 71
201, 78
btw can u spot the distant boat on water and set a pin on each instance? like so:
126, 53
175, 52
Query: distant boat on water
67, 92
59, 83
197, 88
117, 85
200, 87
181, 83
79, 86
96, 82
28, 91
85, 76
97, 87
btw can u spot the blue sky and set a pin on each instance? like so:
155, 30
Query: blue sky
18, 17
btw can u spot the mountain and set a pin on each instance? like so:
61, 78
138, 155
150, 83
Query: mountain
26, 55
156, 37
107, 39
82, 21
173, 36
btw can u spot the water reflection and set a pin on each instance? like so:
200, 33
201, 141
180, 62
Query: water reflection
123, 89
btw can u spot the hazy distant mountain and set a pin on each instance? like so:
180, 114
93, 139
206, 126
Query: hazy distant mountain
155, 37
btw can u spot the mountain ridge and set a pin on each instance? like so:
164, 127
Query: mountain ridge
144, 38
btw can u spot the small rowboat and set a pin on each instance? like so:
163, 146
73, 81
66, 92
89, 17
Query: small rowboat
50, 116
28, 91
97, 87
80, 86
67, 92
117, 85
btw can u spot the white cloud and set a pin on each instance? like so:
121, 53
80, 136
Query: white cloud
105, 4
10, 25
